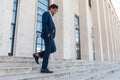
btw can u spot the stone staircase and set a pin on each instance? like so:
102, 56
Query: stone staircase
23, 68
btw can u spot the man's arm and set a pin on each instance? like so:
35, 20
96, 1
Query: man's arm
45, 24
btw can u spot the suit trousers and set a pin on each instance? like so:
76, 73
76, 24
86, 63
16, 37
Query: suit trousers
50, 47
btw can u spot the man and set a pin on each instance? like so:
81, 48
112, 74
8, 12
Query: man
48, 34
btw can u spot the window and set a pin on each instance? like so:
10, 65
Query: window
93, 47
77, 37
42, 7
12, 32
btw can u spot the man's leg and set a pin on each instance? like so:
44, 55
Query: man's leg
46, 53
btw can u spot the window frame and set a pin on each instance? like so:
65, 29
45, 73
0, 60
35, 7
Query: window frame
13, 25
77, 29
39, 30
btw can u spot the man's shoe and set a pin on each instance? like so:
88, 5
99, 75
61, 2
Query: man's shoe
36, 58
46, 71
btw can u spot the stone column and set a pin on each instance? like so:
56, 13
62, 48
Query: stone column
6, 8
26, 28
84, 24
107, 9
104, 30
117, 43
97, 31
112, 34
117, 40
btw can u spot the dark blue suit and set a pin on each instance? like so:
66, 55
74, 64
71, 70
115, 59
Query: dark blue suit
48, 27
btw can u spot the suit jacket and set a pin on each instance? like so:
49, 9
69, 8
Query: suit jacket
47, 25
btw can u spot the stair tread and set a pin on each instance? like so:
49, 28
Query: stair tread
89, 75
32, 66
25, 68
114, 76
31, 75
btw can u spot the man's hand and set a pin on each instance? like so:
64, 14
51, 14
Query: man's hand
48, 35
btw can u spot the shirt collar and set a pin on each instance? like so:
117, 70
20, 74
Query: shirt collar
50, 14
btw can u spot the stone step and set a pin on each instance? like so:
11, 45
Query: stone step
57, 64
36, 69
26, 63
18, 66
31, 63
93, 76
21, 61
114, 76
31, 59
55, 76
12, 58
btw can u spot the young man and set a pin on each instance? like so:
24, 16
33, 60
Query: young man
48, 34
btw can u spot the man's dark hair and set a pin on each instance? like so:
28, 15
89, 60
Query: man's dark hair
53, 6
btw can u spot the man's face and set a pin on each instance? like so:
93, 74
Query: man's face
53, 10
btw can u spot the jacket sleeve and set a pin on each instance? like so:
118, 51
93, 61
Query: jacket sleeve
45, 26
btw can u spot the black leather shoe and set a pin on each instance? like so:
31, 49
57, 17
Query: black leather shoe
36, 58
46, 71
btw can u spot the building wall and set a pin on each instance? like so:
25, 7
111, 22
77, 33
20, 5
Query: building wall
6, 7
99, 29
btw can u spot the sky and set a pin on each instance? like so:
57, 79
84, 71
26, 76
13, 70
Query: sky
116, 4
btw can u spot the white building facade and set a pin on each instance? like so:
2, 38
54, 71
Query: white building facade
86, 29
